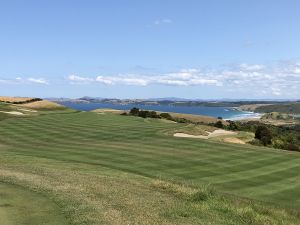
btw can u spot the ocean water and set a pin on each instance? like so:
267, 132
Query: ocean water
224, 112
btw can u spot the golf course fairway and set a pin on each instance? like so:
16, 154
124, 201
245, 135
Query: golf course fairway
89, 168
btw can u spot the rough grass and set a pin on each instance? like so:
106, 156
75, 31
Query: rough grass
193, 129
110, 169
44, 104
195, 118
13, 99
21, 206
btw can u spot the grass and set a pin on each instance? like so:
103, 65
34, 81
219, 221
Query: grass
111, 169
193, 129
20, 206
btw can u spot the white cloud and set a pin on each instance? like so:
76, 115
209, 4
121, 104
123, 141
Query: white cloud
37, 80
253, 67
297, 71
187, 77
20, 80
163, 21
79, 79
278, 80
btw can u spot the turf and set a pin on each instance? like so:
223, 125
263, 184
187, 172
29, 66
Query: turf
104, 169
20, 206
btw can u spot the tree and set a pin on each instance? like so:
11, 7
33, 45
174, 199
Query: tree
134, 111
232, 125
166, 116
143, 113
263, 134
219, 124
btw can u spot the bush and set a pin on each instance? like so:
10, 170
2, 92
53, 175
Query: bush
263, 134
166, 116
255, 142
181, 120
219, 124
292, 147
232, 125
278, 143
134, 111
143, 113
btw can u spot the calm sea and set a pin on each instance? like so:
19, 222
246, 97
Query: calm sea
224, 112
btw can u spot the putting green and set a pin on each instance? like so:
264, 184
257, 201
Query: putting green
19, 206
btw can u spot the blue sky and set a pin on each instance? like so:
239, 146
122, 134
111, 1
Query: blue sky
143, 49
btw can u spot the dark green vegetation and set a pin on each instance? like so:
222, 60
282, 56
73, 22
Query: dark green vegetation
290, 108
152, 114
281, 137
112, 169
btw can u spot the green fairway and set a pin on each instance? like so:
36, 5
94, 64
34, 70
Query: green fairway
111, 169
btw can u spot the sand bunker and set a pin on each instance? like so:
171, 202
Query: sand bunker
215, 133
233, 140
14, 113
27, 110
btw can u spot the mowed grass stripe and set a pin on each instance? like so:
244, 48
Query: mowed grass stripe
140, 146
209, 159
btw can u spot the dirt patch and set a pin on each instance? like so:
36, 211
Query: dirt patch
234, 140
215, 133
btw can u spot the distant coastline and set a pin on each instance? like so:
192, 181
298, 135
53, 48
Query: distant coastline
227, 113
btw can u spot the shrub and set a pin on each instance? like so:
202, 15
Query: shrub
255, 142
143, 113
263, 134
166, 116
292, 147
278, 143
232, 125
181, 120
219, 124
134, 111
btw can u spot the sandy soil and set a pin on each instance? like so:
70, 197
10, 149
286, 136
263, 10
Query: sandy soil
233, 140
215, 133
14, 113
27, 110
114, 111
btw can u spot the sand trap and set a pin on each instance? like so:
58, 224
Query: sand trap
234, 140
14, 113
27, 110
215, 133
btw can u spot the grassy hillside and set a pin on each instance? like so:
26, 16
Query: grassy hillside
291, 108
112, 169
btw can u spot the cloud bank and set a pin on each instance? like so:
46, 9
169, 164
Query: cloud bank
281, 79
20, 80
